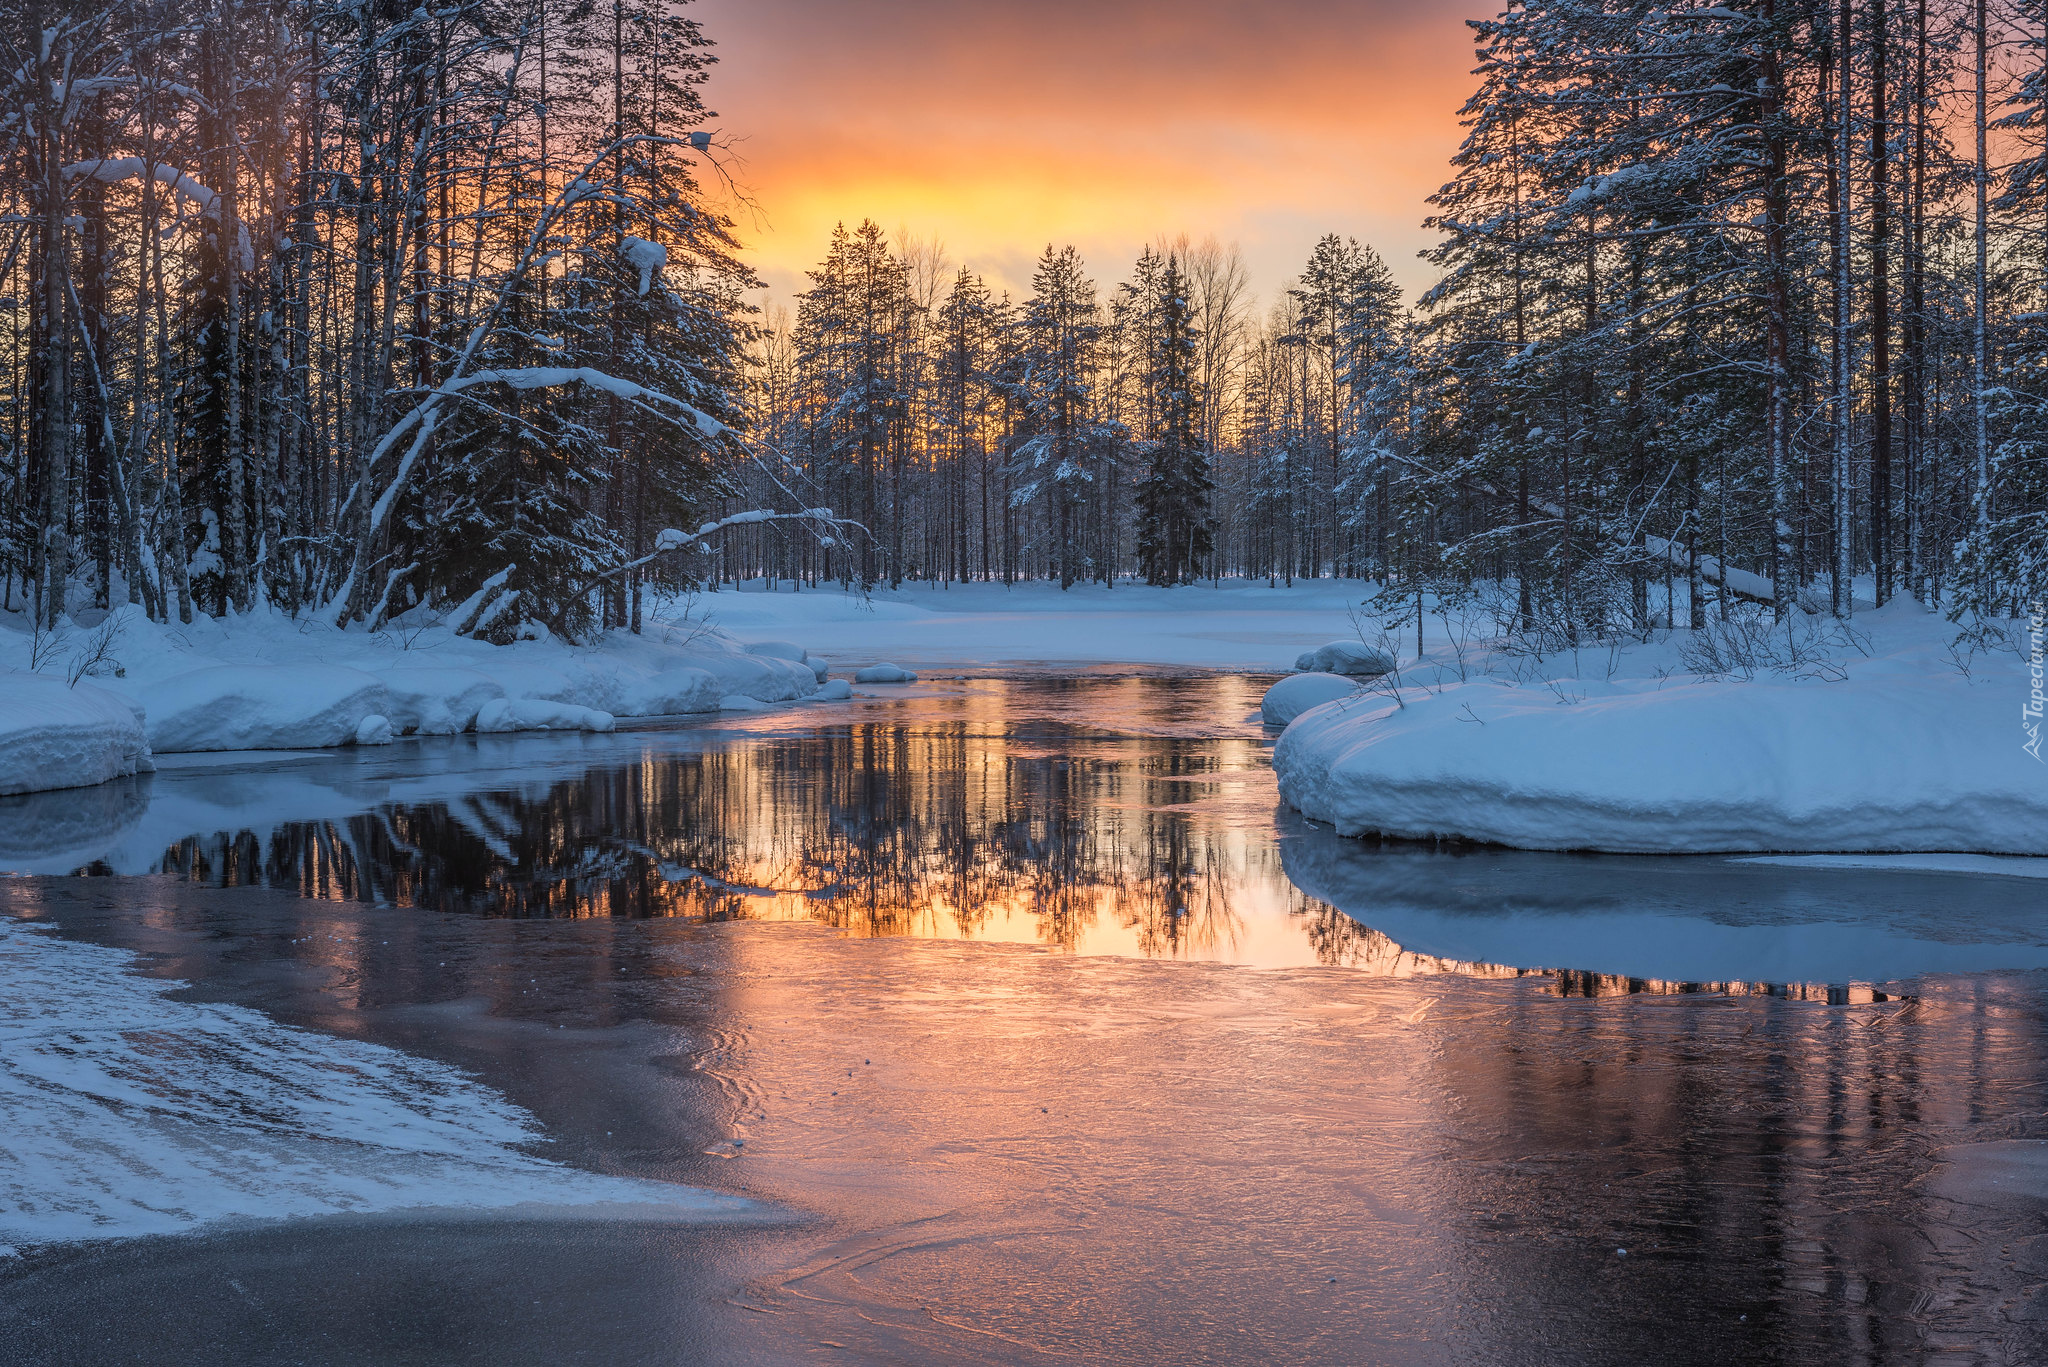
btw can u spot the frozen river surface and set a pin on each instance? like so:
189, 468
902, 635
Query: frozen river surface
984, 1023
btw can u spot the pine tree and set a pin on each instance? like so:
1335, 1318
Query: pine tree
1173, 521
1052, 382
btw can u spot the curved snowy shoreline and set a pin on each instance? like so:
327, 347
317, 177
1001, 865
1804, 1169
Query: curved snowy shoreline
267, 682
131, 1113
1906, 755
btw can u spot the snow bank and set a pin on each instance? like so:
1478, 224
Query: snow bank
739, 702
1905, 754
54, 736
532, 714
427, 701
1345, 657
669, 693
265, 681
262, 707
835, 690
884, 673
1236, 624
1297, 693
131, 1113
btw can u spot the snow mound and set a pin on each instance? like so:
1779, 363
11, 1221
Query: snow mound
1907, 760
534, 714
884, 673
1344, 657
430, 701
673, 691
818, 668
261, 707
740, 702
130, 1112
1297, 693
763, 678
54, 736
373, 730
835, 690
778, 650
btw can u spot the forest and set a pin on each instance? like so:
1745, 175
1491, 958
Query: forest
359, 312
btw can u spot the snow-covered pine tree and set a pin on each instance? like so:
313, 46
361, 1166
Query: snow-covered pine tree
1062, 437
1173, 490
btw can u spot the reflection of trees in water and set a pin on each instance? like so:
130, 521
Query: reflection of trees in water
879, 830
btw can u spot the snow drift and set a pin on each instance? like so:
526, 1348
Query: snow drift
1906, 754
54, 736
1297, 693
264, 681
532, 714
262, 707
426, 701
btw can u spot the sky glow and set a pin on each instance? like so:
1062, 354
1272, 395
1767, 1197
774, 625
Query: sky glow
1000, 127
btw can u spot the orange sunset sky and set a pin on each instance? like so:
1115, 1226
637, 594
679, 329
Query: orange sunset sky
998, 126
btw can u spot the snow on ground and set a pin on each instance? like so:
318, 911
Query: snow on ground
1237, 625
131, 1113
1883, 745
1297, 693
267, 681
57, 735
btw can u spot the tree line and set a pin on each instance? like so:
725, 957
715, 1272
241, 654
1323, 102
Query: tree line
355, 310
1735, 303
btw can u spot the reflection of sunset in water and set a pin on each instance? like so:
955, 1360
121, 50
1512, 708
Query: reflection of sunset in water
1100, 815
958, 973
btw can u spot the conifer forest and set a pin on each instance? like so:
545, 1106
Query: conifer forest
359, 310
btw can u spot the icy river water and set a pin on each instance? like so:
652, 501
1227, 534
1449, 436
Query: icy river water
1022, 1024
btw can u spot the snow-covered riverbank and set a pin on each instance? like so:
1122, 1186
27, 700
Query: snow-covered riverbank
264, 681
131, 1112
1238, 624
1878, 743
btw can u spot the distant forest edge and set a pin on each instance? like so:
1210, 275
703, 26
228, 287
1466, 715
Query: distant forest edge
371, 312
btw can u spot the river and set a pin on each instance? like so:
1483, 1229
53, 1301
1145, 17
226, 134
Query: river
1027, 1028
